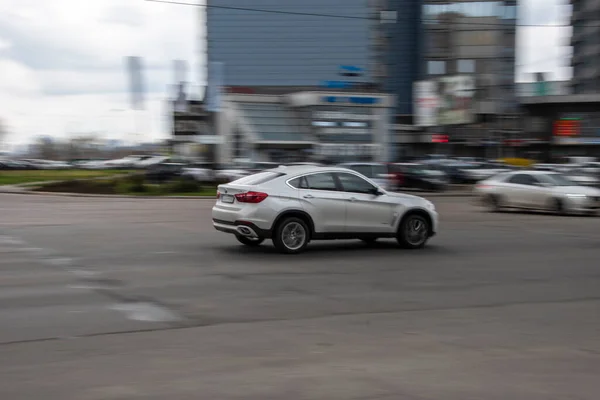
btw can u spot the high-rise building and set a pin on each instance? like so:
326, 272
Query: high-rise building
476, 38
586, 46
397, 43
289, 42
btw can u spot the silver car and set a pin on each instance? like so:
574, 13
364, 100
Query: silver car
294, 205
538, 190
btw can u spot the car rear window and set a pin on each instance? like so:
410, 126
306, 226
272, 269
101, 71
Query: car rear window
257, 179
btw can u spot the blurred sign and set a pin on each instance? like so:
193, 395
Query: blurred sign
209, 139
346, 149
439, 138
567, 127
447, 100
350, 99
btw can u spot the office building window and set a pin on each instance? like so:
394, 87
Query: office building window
465, 66
436, 67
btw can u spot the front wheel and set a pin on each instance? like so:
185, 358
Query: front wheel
413, 232
249, 241
291, 236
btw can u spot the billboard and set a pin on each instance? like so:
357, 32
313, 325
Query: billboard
447, 100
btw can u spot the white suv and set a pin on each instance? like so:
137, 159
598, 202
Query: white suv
294, 205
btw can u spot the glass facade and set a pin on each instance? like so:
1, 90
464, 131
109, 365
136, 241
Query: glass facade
287, 45
273, 122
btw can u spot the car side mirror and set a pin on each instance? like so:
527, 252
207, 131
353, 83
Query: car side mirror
376, 192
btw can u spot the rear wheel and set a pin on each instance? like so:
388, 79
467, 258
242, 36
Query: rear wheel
249, 241
291, 236
414, 232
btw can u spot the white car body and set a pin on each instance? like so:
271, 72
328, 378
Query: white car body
540, 190
332, 212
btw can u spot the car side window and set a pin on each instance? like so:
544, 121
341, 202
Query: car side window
523, 179
355, 184
323, 181
299, 183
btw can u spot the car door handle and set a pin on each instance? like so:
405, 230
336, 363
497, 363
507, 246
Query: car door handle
352, 199
309, 196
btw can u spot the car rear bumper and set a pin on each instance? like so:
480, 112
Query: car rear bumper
244, 228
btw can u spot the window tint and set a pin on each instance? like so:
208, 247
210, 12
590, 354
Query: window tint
324, 181
299, 183
355, 184
523, 179
257, 179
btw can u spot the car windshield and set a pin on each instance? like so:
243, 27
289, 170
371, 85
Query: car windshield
559, 180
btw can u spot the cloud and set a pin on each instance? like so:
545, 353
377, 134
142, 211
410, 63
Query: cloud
62, 63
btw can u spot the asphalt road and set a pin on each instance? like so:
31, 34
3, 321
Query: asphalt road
142, 299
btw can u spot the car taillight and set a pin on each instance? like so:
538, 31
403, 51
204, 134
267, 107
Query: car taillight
218, 195
251, 197
481, 186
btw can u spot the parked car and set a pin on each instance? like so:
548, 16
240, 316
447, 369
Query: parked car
537, 190
164, 172
480, 171
417, 176
294, 205
200, 172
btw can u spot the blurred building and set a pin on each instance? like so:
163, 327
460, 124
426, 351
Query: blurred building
585, 40
290, 42
476, 39
324, 126
297, 81
397, 42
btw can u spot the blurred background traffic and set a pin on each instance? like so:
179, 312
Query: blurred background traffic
434, 93
434, 172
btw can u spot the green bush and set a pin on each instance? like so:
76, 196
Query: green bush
135, 183
182, 185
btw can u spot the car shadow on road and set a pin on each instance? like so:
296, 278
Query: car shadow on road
540, 212
338, 248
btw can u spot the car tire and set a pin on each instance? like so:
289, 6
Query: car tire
414, 231
558, 207
252, 242
494, 202
291, 235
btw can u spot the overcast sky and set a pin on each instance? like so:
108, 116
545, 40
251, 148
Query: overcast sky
62, 68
